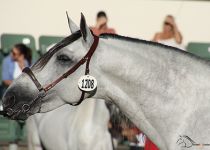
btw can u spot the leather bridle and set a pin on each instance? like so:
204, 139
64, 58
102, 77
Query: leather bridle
43, 90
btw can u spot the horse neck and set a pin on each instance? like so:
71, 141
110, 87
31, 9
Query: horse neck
130, 66
92, 111
120, 63
140, 77
85, 111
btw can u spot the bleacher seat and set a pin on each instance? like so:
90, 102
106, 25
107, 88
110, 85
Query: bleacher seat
9, 40
200, 49
46, 41
9, 130
23, 135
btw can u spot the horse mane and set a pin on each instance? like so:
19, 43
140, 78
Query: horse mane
73, 37
136, 40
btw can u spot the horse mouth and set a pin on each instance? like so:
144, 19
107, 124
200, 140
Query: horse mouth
17, 115
21, 117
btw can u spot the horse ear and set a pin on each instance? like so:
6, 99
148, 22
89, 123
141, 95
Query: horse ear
72, 26
86, 33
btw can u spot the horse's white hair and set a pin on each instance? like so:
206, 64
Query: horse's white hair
71, 128
163, 90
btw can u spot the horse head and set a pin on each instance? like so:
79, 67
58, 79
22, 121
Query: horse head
23, 97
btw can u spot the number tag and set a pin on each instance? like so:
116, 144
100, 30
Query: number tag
87, 83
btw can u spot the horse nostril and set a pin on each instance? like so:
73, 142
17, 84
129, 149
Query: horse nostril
9, 112
9, 101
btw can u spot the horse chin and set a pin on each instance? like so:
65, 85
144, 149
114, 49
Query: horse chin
20, 116
49, 105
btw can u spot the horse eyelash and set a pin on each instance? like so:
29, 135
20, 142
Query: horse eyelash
68, 59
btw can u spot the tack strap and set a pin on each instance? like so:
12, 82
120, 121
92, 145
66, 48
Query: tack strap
43, 90
33, 78
86, 59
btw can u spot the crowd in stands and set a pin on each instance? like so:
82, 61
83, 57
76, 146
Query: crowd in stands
21, 57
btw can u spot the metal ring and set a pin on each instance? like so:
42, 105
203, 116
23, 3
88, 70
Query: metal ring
25, 107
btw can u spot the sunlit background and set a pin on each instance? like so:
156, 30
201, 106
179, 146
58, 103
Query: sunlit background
135, 18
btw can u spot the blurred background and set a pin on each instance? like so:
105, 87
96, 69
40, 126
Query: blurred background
40, 23
135, 18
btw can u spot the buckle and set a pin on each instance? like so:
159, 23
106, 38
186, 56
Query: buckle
42, 93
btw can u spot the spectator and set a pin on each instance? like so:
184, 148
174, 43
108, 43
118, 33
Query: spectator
13, 64
134, 136
101, 24
170, 35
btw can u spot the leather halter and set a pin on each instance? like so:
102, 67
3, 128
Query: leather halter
43, 90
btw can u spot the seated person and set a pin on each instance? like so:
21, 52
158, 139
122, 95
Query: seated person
101, 24
170, 35
14, 63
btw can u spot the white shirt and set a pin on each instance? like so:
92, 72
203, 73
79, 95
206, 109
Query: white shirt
17, 71
171, 42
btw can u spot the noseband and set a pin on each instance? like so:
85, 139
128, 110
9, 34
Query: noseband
44, 89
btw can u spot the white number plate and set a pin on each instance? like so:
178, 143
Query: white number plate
87, 83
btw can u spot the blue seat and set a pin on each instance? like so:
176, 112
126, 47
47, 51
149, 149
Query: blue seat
9, 40
199, 49
46, 41
9, 130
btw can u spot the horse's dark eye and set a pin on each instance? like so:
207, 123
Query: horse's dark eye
64, 58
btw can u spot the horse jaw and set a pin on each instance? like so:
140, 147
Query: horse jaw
53, 101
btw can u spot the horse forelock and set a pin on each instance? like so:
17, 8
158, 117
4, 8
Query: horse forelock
46, 57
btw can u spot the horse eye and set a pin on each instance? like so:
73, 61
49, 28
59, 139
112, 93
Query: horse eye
64, 58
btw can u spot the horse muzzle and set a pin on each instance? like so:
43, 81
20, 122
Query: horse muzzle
16, 110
